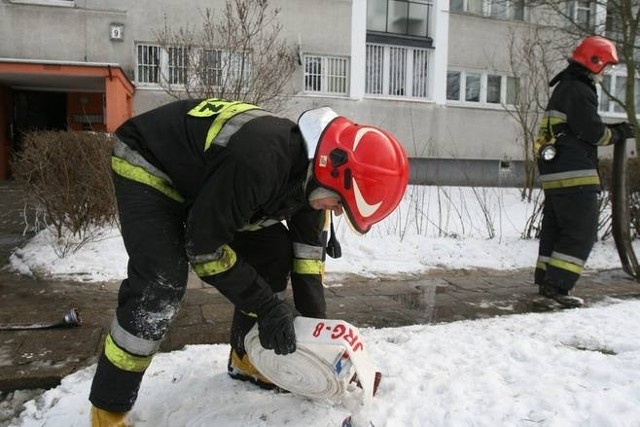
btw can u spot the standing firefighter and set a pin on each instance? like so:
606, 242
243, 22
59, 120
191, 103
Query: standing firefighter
208, 184
567, 155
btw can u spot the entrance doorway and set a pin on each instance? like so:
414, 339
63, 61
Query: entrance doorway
36, 110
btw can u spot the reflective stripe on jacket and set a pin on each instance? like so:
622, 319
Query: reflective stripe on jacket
234, 167
572, 117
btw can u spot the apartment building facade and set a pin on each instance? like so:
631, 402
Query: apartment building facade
433, 72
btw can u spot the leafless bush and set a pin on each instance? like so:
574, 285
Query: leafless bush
68, 186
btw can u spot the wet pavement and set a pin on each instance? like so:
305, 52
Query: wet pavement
37, 359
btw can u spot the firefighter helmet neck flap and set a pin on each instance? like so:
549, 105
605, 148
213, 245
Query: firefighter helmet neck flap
594, 53
366, 166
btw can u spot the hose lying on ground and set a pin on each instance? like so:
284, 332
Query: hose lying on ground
330, 359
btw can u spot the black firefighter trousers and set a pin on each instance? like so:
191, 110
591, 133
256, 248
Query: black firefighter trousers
152, 227
569, 231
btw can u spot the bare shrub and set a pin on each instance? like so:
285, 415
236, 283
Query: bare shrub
68, 185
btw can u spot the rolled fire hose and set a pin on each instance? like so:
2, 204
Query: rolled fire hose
330, 357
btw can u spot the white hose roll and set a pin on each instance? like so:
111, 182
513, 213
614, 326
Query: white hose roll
329, 353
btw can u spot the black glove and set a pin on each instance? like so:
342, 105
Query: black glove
275, 326
620, 132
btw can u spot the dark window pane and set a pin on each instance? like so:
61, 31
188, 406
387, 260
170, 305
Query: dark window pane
472, 88
397, 17
453, 85
377, 15
418, 14
493, 89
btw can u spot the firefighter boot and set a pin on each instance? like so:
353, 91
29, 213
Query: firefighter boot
102, 418
562, 297
241, 368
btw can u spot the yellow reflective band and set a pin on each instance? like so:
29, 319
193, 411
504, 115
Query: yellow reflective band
225, 262
123, 360
308, 266
541, 265
564, 265
139, 174
222, 110
571, 182
222, 118
210, 107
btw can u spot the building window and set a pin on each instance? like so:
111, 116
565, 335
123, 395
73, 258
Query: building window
219, 68
513, 83
61, 3
453, 85
397, 71
494, 89
506, 9
236, 68
210, 70
178, 60
500, 9
580, 12
403, 17
472, 87
148, 60
481, 88
172, 66
616, 84
326, 74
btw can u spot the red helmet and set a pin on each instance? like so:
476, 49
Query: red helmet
595, 53
366, 166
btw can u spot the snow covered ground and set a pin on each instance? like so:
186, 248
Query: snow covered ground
572, 368
577, 367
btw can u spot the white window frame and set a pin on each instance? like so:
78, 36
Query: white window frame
574, 7
614, 109
411, 80
149, 67
176, 75
177, 65
57, 3
330, 78
508, 6
484, 79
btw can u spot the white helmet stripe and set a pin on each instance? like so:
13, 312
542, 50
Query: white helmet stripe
361, 132
365, 209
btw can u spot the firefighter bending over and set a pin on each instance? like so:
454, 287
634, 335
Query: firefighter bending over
209, 184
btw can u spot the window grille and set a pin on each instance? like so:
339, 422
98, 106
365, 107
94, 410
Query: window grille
326, 74
397, 71
216, 68
211, 67
177, 64
374, 68
148, 63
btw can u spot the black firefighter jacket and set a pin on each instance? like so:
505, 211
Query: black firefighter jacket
572, 116
234, 167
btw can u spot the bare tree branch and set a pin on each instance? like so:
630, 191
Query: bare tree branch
236, 53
